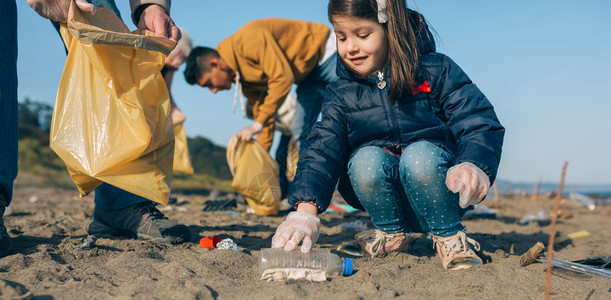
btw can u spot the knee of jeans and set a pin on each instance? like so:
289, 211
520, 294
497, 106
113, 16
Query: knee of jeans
368, 168
424, 160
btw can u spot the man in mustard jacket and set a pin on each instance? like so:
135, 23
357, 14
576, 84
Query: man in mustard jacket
265, 58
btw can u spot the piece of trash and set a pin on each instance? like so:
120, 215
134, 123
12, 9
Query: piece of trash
234, 212
89, 242
351, 248
343, 208
481, 211
8, 210
540, 218
572, 236
228, 244
603, 262
355, 225
532, 254
583, 200
580, 268
209, 242
219, 204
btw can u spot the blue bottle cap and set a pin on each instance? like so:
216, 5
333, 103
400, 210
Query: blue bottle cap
347, 267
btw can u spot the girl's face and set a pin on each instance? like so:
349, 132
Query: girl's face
361, 43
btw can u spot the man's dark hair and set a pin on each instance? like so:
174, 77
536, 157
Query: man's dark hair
197, 63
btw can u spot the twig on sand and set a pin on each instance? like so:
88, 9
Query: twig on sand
552, 233
531, 255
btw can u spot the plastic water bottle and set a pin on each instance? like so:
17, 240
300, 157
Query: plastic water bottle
277, 258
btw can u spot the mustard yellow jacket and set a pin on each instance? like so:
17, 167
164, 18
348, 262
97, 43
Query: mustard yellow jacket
271, 55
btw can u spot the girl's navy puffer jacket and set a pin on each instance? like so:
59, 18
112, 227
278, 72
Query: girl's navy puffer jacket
455, 115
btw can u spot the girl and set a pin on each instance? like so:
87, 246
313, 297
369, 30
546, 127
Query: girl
403, 130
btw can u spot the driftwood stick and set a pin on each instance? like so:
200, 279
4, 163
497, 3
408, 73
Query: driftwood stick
531, 255
552, 233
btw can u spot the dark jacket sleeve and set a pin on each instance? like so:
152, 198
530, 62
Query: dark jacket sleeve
323, 158
470, 117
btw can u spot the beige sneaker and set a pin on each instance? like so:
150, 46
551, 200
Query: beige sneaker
374, 242
455, 253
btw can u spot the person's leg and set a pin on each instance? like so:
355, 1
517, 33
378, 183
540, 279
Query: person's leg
423, 168
108, 197
119, 212
9, 122
373, 173
281, 158
310, 95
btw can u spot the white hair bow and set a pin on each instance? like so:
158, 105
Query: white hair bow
382, 17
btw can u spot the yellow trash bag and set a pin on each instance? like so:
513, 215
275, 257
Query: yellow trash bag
292, 159
255, 176
182, 159
111, 119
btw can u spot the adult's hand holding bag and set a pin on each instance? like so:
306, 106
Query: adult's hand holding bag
111, 120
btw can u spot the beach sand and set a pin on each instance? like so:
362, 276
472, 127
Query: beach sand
48, 226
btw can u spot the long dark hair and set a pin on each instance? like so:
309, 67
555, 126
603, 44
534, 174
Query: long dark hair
401, 30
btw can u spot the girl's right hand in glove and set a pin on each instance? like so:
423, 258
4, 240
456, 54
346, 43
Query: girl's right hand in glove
299, 226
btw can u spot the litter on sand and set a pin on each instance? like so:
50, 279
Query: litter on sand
577, 267
89, 243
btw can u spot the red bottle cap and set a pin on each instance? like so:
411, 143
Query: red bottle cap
209, 242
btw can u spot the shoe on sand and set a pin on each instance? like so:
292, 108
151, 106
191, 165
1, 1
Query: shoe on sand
376, 243
5, 239
455, 252
143, 221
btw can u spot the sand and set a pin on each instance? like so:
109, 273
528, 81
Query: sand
48, 226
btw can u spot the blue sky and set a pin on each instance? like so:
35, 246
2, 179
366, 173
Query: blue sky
544, 65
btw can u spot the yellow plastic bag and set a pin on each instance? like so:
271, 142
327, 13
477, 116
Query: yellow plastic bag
182, 159
111, 118
292, 159
255, 176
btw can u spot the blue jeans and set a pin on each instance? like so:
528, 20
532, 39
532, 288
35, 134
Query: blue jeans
9, 116
310, 95
406, 193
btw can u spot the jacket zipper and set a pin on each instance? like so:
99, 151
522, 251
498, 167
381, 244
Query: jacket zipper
392, 116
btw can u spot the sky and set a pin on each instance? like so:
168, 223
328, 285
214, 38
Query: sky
544, 65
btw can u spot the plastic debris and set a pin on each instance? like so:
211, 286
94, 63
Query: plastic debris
355, 225
481, 211
540, 218
210, 242
228, 244
583, 200
343, 208
572, 236
219, 204
89, 243
580, 268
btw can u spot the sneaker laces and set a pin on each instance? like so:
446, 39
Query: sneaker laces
375, 239
457, 243
149, 210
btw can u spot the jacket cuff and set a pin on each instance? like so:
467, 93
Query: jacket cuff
138, 7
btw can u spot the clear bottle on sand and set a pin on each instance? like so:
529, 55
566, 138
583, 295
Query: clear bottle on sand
275, 258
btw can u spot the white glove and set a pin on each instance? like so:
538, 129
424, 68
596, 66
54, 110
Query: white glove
468, 180
299, 226
57, 10
248, 132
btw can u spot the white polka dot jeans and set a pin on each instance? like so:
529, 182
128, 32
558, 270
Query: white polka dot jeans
406, 193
